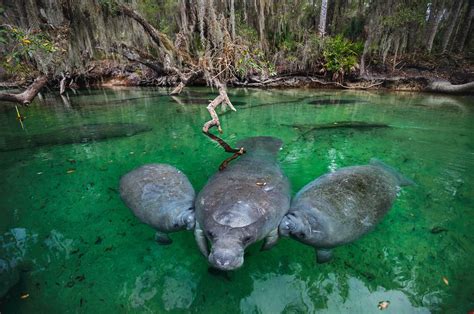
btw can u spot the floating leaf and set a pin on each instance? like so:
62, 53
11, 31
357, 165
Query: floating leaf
383, 305
445, 280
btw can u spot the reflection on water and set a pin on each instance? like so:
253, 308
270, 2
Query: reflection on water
64, 230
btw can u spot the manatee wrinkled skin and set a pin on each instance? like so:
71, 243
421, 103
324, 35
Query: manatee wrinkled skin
242, 204
339, 207
160, 196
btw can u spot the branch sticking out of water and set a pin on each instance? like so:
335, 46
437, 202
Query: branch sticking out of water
221, 99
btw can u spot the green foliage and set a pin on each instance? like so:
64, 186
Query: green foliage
252, 61
355, 28
245, 31
21, 45
109, 5
161, 14
404, 16
341, 55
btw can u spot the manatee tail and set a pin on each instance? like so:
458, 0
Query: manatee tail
402, 180
261, 143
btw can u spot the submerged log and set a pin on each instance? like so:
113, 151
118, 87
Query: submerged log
339, 125
356, 125
448, 88
26, 97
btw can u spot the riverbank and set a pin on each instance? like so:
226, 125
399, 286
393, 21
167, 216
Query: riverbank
408, 75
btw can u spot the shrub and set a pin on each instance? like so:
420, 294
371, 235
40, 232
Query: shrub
341, 56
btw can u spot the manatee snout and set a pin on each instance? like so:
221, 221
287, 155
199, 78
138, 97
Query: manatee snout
291, 225
187, 219
226, 256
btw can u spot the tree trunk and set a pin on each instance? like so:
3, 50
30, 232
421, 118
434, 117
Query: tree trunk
466, 27
322, 18
449, 31
232, 19
29, 94
154, 34
261, 23
436, 14
367, 44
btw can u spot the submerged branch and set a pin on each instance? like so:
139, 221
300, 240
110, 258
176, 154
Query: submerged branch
224, 100
227, 148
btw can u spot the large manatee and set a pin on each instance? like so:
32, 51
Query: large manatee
339, 207
160, 196
242, 204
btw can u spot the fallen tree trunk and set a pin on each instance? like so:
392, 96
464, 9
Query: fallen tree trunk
26, 97
448, 88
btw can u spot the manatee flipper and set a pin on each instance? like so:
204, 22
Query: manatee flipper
162, 238
323, 255
270, 240
201, 240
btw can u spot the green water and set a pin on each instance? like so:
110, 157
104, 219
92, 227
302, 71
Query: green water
80, 250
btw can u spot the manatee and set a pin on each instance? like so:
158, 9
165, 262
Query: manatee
74, 134
160, 196
339, 207
242, 204
9, 277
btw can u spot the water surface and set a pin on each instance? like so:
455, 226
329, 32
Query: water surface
77, 249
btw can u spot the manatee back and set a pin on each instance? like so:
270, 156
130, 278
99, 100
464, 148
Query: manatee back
157, 194
261, 144
347, 203
251, 196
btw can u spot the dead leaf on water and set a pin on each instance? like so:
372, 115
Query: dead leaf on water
383, 305
445, 280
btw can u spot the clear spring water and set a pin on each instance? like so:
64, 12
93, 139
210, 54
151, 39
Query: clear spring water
75, 247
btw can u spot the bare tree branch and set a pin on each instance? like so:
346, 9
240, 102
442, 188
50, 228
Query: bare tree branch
221, 99
26, 97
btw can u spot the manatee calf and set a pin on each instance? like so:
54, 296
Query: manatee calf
242, 204
160, 196
339, 207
